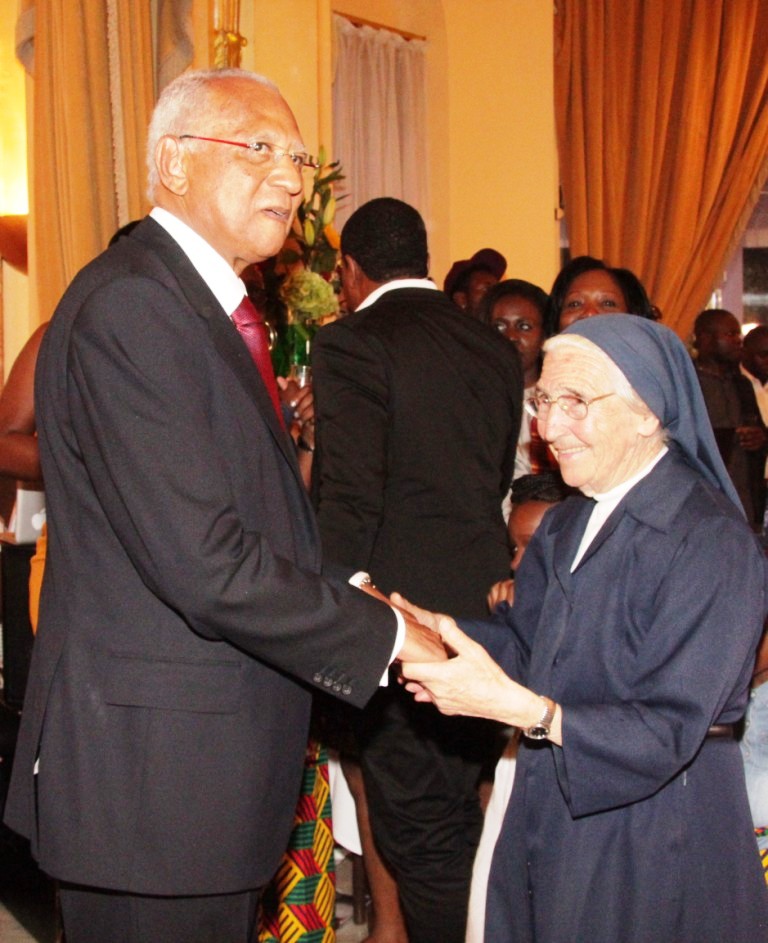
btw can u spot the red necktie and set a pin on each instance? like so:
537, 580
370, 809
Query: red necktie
253, 330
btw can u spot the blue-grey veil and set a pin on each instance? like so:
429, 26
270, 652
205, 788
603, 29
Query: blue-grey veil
660, 370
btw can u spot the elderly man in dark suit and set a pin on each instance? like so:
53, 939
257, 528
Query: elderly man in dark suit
182, 619
418, 415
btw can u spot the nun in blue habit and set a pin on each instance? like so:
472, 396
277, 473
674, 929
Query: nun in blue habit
625, 661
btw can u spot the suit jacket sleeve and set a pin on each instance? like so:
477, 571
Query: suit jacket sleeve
146, 420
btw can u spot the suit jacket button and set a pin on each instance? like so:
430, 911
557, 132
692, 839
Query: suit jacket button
347, 689
337, 687
317, 677
327, 682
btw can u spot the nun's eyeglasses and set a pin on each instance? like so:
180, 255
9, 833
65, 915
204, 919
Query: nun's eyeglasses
575, 407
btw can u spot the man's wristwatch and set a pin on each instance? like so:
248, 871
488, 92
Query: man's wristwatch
540, 730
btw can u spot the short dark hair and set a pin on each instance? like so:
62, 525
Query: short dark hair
706, 320
465, 278
517, 288
388, 239
756, 334
634, 292
543, 486
631, 287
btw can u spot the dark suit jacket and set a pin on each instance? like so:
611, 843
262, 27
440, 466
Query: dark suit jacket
181, 608
419, 411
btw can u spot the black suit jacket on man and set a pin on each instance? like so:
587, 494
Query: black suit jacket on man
181, 600
419, 410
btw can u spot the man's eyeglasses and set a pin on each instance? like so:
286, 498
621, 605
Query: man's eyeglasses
262, 152
575, 407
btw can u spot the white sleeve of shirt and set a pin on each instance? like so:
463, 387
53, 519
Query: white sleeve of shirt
359, 579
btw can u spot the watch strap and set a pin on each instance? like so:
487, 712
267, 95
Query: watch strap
540, 730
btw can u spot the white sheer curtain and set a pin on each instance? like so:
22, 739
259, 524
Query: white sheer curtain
379, 120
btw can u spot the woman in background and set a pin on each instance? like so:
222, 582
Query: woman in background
520, 311
587, 286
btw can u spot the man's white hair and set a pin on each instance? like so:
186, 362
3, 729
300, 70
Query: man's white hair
185, 107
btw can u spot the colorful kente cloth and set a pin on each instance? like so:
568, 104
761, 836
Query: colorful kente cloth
299, 904
761, 833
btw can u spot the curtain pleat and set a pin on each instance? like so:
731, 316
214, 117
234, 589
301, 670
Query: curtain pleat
93, 94
662, 125
379, 116
132, 102
73, 194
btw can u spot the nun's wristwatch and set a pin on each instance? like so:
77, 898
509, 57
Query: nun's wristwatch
540, 730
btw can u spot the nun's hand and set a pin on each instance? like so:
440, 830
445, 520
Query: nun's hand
470, 683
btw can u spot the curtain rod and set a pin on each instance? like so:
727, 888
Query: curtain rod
359, 21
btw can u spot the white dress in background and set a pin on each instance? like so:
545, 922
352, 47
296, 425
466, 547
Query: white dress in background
494, 816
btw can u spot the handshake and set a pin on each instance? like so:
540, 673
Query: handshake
422, 638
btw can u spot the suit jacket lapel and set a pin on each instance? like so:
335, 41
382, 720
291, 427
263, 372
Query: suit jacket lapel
187, 281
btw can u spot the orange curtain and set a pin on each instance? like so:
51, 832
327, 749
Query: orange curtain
72, 203
662, 122
92, 65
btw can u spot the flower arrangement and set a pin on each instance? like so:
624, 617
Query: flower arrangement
304, 282
308, 295
314, 242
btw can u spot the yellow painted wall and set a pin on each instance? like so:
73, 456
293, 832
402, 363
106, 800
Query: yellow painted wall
492, 153
493, 160
14, 300
502, 152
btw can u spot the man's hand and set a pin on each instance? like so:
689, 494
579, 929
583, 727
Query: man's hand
422, 641
424, 616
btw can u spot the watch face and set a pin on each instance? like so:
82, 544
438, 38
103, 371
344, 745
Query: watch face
537, 732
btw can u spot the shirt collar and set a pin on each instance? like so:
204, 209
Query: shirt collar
214, 270
615, 494
752, 377
391, 286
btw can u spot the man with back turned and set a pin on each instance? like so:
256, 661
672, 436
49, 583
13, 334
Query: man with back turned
418, 413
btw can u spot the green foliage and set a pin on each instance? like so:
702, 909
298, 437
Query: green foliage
314, 242
308, 295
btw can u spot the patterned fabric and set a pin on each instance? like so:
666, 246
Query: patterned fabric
761, 833
299, 904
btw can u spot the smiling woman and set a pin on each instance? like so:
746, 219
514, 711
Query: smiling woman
600, 431
587, 286
616, 601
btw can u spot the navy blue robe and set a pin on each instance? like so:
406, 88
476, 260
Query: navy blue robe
638, 829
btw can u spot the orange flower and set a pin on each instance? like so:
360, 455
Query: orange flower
332, 236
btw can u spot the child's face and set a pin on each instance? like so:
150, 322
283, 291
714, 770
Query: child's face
523, 521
